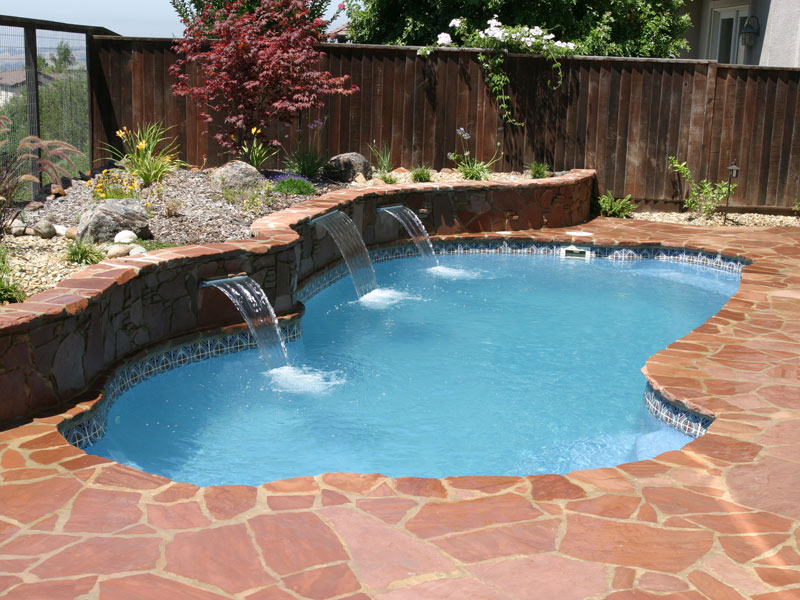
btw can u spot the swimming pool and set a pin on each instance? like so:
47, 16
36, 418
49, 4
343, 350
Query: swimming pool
502, 364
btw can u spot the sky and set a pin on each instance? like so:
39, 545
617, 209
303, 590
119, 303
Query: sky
138, 18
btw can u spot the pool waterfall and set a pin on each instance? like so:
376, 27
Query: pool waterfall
415, 229
354, 252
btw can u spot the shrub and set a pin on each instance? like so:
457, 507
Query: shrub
306, 162
255, 152
538, 170
15, 166
255, 64
113, 184
248, 196
292, 184
615, 207
387, 178
148, 152
472, 168
383, 158
421, 174
701, 197
83, 253
9, 291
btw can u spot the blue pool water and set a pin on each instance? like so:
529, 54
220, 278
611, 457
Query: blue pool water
495, 364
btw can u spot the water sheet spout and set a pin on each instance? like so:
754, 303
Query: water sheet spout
415, 229
348, 239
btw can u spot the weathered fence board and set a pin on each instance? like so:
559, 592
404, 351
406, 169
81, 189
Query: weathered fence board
623, 117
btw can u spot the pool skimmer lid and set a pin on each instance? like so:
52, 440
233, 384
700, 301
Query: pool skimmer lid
575, 252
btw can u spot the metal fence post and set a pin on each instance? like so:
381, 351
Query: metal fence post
32, 85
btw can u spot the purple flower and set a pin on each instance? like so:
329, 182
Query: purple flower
463, 133
282, 176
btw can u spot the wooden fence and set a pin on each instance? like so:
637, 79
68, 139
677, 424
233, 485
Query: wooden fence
623, 117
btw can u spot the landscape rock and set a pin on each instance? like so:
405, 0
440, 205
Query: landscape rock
60, 230
102, 222
29, 231
57, 191
34, 205
345, 167
126, 236
359, 178
118, 251
44, 229
17, 228
137, 249
237, 174
71, 233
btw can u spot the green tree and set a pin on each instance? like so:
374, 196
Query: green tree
649, 28
189, 10
64, 58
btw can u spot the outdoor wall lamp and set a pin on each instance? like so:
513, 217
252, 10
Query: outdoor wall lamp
733, 173
749, 32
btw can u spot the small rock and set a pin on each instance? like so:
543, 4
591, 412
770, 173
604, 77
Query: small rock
446, 170
71, 233
34, 205
118, 251
378, 182
126, 236
400, 170
57, 190
359, 178
44, 229
29, 231
18, 231
237, 174
137, 249
345, 167
60, 230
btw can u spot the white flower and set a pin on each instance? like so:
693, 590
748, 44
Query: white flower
455, 23
443, 39
493, 22
549, 36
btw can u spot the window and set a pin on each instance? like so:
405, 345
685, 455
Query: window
726, 23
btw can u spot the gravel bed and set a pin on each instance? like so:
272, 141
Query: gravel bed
733, 220
38, 264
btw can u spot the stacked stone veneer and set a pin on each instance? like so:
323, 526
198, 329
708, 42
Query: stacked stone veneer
58, 344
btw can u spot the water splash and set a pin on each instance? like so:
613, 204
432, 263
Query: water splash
384, 298
453, 272
348, 239
415, 229
304, 380
253, 304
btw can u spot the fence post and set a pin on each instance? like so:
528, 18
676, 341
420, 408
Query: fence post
32, 85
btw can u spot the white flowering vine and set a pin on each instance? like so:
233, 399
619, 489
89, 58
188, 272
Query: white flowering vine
501, 39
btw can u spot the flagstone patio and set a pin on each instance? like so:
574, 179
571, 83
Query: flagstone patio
716, 520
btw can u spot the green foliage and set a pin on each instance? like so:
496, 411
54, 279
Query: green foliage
296, 186
421, 174
306, 162
153, 244
383, 157
250, 199
256, 152
538, 170
615, 207
701, 197
113, 184
9, 291
148, 152
797, 206
654, 28
469, 167
83, 253
387, 178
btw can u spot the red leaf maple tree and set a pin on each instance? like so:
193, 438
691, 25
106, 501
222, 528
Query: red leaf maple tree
254, 66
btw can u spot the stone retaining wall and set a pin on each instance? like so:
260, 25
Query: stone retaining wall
56, 344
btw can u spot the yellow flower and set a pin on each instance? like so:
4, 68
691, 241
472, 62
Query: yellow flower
147, 204
167, 158
120, 134
141, 145
105, 171
102, 195
253, 131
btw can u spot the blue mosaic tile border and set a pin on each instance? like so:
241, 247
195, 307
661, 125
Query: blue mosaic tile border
84, 430
701, 259
685, 421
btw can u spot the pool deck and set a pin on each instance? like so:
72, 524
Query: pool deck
716, 520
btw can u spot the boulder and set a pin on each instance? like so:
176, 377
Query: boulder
105, 219
237, 174
17, 228
126, 236
44, 229
345, 167
118, 251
